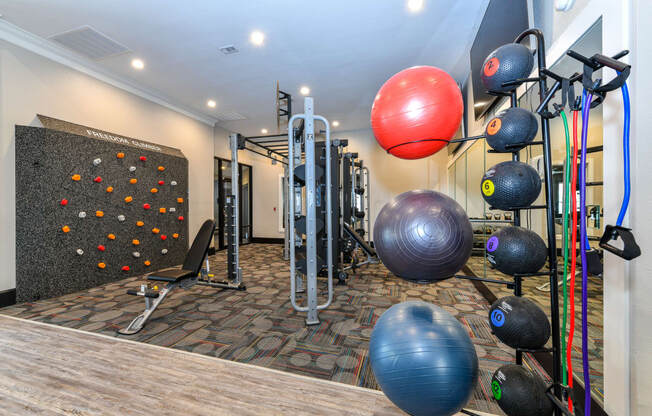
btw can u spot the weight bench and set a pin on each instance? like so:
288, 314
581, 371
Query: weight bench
372, 257
185, 277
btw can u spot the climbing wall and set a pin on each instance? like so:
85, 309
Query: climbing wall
94, 207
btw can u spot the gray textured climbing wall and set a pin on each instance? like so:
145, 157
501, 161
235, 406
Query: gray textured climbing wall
94, 207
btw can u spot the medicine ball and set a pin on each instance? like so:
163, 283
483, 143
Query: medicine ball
423, 359
510, 184
519, 322
511, 126
520, 392
423, 236
416, 112
514, 250
507, 63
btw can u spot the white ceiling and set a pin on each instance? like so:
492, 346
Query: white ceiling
342, 49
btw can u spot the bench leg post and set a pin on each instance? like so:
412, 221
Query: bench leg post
150, 306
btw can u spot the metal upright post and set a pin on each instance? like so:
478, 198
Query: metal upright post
286, 222
235, 191
311, 212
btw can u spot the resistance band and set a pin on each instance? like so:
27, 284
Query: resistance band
586, 106
625, 204
567, 196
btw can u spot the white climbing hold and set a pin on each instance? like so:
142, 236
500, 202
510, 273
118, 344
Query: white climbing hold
135, 254
173, 183
121, 218
97, 161
164, 251
173, 209
80, 251
132, 168
82, 214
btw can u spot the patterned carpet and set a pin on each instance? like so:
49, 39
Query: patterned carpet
260, 327
595, 326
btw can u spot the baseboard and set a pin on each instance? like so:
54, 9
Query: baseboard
543, 358
7, 297
267, 240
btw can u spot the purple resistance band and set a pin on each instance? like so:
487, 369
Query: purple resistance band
586, 106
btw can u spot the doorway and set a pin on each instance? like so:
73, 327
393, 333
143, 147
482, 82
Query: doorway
222, 187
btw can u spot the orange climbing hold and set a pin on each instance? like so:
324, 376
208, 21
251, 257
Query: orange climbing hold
125, 268
99, 214
147, 263
65, 229
153, 190
161, 210
120, 155
111, 236
101, 265
135, 242
146, 206
180, 200
76, 177
133, 181
175, 235
161, 168
109, 189
97, 179
156, 230
129, 199
139, 223
64, 202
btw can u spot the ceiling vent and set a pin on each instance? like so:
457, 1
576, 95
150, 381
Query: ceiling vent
229, 49
229, 116
90, 43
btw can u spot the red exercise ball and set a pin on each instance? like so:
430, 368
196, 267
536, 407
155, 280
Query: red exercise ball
422, 104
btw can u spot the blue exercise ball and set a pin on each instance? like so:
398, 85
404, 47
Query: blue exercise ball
423, 359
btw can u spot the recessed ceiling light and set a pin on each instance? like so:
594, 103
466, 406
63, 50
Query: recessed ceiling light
415, 5
257, 37
336, 123
304, 90
264, 131
137, 64
211, 103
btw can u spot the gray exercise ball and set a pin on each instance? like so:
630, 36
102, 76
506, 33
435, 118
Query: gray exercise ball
423, 236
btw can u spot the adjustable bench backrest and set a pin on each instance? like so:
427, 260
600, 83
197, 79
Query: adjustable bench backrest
199, 248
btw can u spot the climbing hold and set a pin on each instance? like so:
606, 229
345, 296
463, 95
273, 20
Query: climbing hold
153, 190
82, 214
175, 235
101, 265
164, 251
135, 254
172, 209
121, 218
128, 199
139, 223
97, 161
101, 247
135, 242
156, 230
173, 183
164, 237
180, 218
64, 202
132, 168
142, 158
125, 268
133, 181
76, 177
146, 206
111, 236
120, 155
161, 210
99, 214
161, 183
109, 189
97, 179
147, 263
161, 168
80, 252
180, 200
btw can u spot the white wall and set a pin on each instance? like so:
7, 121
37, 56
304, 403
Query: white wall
266, 204
31, 84
390, 175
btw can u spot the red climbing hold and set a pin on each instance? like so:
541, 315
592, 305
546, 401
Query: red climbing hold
164, 237
146, 206
161, 182
101, 247
143, 158
64, 202
97, 179
125, 268
180, 218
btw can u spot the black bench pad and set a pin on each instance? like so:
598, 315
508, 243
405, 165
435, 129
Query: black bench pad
173, 275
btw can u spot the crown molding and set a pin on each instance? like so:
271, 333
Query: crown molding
47, 49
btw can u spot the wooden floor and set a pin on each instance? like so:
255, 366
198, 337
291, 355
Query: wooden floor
50, 370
